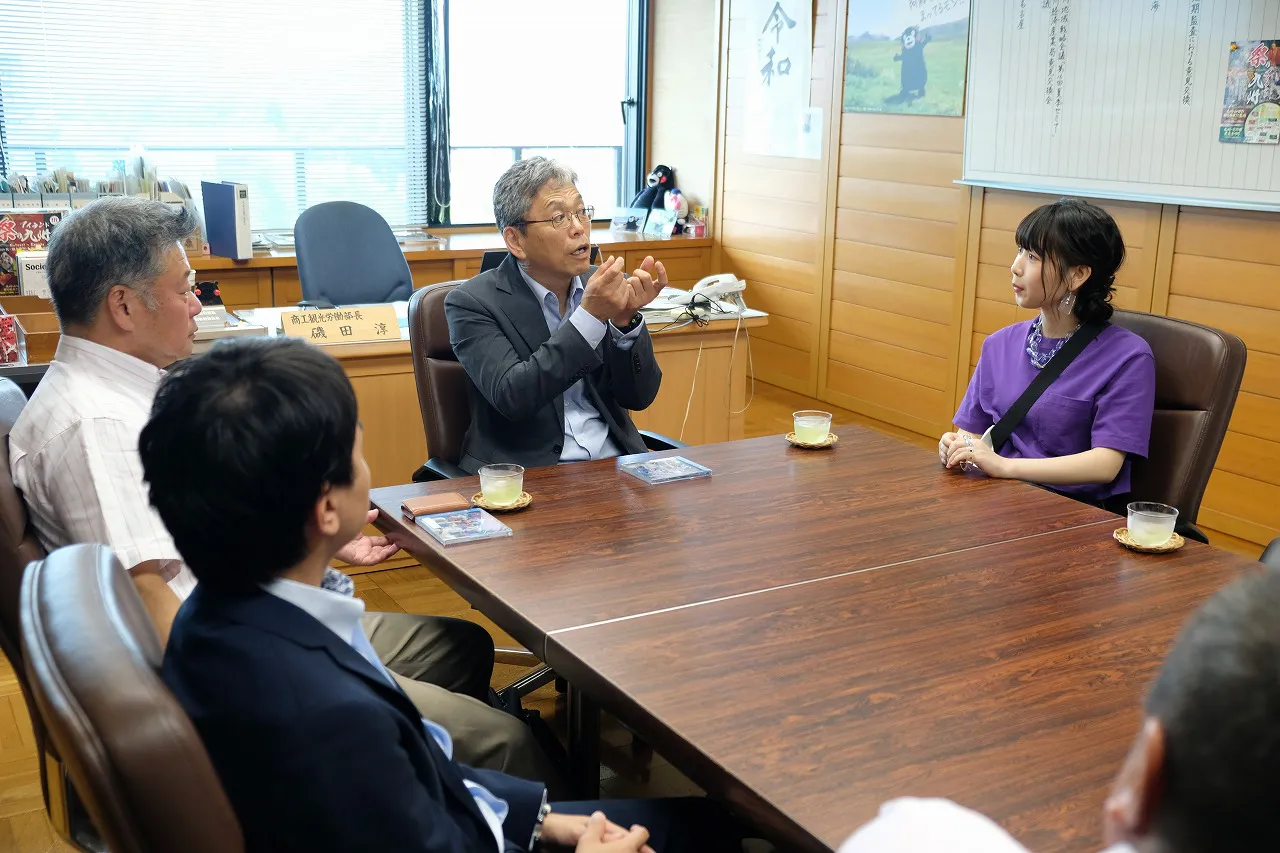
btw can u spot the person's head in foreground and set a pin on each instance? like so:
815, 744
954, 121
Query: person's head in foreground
119, 277
254, 458
543, 219
1198, 777
1068, 254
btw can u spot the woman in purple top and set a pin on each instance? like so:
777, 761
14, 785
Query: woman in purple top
1078, 436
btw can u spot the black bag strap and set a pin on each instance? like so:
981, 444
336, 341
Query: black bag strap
1061, 360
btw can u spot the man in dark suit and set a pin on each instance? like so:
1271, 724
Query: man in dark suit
316, 746
555, 349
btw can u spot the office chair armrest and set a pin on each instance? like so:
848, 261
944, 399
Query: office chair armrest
438, 469
1271, 556
1190, 531
654, 441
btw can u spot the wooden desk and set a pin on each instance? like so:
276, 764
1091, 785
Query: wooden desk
808, 634
1008, 678
395, 445
271, 277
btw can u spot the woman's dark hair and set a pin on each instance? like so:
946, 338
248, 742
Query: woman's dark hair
242, 442
1072, 233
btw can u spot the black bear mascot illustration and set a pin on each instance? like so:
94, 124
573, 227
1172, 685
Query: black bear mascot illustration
914, 72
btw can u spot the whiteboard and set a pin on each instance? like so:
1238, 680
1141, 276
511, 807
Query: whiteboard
1127, 105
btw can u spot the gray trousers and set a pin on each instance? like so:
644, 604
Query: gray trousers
444, 666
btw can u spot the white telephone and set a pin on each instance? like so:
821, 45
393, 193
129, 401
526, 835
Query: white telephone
713, 288
719, 286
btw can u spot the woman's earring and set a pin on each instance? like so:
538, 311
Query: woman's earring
1068, 302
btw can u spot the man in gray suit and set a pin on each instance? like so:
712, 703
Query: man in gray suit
555, 350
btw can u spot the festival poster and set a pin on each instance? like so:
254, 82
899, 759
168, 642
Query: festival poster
19, 231
1251, 104
906, 56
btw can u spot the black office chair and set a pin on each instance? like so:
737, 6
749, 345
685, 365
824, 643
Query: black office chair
492, 260
348, 255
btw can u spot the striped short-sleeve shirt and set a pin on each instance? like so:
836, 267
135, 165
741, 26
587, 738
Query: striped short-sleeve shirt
74, 455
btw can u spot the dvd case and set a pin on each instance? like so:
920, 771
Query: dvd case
462, 525
665, 470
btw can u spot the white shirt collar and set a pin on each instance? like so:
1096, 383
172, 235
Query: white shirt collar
104, 361
339, 613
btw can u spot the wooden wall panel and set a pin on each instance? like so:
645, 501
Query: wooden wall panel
1225, 270
883, 276
893, 327
773, 210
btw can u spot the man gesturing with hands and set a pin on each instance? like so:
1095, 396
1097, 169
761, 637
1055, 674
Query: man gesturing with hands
555, 350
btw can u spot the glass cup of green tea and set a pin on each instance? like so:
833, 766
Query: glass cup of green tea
811, 426
501, 484
1151, 524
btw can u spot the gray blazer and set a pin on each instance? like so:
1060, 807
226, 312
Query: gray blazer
518, 372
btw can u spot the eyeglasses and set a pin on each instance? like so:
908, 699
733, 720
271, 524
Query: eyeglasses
561, 220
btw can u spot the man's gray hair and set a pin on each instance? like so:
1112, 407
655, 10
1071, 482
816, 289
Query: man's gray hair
118, 240
515, 191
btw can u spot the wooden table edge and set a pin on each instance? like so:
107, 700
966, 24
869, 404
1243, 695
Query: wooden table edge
533, 638
701, 768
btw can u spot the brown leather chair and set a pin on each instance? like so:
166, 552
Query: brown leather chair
19, 547
442, 383
1198, 374
93, 663
442, 387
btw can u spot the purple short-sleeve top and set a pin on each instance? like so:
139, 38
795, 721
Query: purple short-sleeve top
1105, 398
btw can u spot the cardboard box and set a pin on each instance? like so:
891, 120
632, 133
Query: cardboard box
38, 336
25, 305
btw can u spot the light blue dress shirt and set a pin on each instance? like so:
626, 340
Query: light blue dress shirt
586, 435
341, 615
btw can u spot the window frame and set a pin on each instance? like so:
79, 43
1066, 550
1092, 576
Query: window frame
632, 172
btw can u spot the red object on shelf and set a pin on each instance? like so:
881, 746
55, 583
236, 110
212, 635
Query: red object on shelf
9, 353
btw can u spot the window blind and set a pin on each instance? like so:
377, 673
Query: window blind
304, 100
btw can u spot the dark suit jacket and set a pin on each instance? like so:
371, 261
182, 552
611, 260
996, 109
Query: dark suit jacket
518, 372
315, 748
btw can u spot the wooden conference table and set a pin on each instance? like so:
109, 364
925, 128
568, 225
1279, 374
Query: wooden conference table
807, 634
